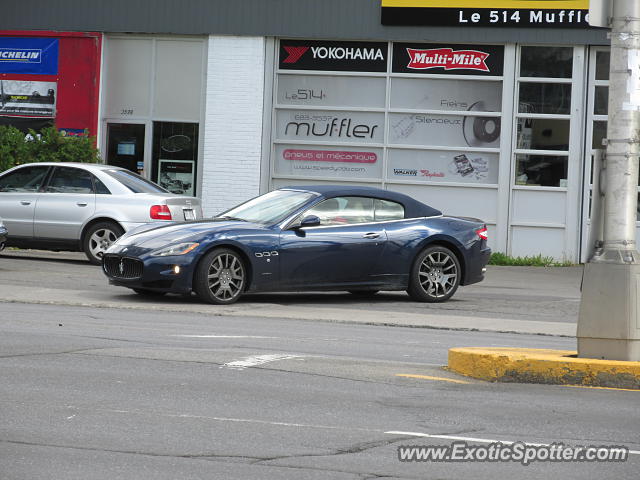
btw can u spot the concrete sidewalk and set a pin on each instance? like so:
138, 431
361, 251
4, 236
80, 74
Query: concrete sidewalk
528, 300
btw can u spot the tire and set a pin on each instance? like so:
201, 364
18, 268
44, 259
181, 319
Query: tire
98, 238
220, 277
363, 293
435, 275
148, 293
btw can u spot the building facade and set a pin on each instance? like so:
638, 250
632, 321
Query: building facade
225, 100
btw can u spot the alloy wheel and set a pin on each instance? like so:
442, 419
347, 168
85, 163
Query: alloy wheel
100, 241
438, 274
225, 277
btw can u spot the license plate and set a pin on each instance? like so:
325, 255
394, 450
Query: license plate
189, 215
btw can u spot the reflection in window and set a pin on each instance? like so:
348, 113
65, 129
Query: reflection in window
599, 134
343, 211
601, 101
550, 62
386, 211
551, 98
541, 170
602, 65
70, 180
26, 179
543, 134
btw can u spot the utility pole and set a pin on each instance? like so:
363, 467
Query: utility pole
609, 321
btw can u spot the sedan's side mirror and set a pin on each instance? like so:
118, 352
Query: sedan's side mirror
309, 221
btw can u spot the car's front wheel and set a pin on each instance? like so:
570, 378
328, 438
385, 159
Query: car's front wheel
220, 277
435, 275
99, 238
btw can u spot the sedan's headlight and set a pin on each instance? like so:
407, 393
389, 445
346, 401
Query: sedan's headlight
179, 249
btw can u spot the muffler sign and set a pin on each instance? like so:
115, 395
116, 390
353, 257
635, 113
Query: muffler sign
504, 13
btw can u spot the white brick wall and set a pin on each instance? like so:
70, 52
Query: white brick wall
233, 122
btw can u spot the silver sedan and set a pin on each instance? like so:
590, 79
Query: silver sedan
83, 207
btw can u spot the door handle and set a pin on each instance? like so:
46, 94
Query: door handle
371, 235
25, 202
81, 204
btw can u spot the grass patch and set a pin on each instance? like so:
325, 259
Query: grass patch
533, 261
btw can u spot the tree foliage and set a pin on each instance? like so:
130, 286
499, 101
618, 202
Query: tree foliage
49, 145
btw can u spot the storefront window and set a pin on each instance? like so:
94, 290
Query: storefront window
551, 98
550, 62
541, 170
339, 112
601, 100
175, 156
543, 121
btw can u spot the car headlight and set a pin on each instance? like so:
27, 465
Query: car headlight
179, 249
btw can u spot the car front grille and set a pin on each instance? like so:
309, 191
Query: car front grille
122, 267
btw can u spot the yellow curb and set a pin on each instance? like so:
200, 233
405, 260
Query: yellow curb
531, 365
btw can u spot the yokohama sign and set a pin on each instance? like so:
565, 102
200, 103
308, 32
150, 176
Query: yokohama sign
333, 56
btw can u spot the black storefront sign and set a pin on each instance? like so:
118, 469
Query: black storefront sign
448, 59
551, 13
333, 56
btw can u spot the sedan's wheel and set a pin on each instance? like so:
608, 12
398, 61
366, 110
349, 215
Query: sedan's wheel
220, 277
99, 238
435, 275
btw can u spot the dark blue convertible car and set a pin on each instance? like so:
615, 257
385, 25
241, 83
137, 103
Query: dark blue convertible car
357, 239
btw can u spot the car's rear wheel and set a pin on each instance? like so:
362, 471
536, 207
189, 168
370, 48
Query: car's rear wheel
99, 238
148, 293
435, 275
220, 277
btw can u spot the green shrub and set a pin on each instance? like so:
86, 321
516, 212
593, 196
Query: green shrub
498, 258
47, 146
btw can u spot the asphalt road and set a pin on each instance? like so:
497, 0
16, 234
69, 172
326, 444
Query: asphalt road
100, 393
511, 299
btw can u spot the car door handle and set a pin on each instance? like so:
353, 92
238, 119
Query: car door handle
81, 204
25, 202
371, 235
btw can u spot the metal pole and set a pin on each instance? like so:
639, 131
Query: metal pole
608, 325
622, 131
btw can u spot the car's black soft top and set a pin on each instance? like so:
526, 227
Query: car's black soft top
412, 208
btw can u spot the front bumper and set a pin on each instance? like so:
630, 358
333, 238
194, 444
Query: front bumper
164, 274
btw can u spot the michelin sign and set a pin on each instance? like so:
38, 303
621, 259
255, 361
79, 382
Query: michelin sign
29, 55
502, 13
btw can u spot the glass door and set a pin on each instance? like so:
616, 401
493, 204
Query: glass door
126, 146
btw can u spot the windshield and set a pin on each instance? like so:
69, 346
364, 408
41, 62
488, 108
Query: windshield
135, 182
269, 208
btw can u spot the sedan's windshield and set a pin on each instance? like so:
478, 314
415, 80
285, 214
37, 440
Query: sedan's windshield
135, 182
269, 208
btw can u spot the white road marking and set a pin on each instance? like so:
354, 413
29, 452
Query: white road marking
256, 360
221, 336
477, 440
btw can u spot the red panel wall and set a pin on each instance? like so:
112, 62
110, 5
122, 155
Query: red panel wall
78, 77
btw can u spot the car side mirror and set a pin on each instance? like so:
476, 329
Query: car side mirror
309, 221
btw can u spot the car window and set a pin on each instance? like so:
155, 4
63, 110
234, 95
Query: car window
70, 180
135, 182
272, 207
343, 211
386, 211
101, 188
25, 179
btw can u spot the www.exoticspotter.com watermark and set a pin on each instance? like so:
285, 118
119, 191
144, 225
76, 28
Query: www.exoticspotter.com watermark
512, 452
